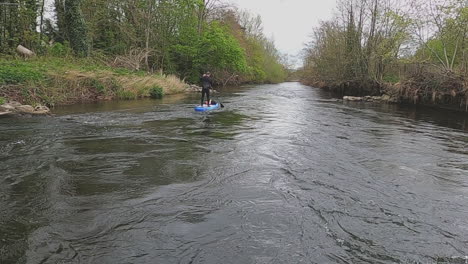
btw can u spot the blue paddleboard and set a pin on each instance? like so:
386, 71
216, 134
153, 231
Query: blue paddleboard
203, 108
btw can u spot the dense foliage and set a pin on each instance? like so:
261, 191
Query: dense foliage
383, 40
182, 37
18, 23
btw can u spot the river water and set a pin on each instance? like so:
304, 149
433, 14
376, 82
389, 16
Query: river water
283, 174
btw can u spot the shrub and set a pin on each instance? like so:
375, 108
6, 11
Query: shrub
2, 100
15, 73
59, 50
156, 92
391, 78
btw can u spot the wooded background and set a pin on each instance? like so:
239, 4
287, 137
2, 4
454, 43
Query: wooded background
182, 37
388, 40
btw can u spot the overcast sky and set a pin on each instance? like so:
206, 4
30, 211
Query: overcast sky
289, 22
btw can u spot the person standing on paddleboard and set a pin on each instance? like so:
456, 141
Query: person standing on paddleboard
206, 86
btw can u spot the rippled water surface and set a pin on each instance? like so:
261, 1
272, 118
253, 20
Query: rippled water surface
282, 174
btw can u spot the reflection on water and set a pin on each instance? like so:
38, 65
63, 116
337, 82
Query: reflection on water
283, 174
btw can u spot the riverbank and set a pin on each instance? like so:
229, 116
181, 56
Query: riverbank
61, 81
448, 91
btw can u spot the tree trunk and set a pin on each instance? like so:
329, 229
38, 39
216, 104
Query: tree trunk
147, 33
41, 22
370, 40
76, 27
61, 21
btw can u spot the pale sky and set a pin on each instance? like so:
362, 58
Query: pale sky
289, 22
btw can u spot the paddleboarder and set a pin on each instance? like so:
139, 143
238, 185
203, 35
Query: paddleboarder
206, 86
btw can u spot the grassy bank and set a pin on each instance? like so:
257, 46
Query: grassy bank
57, 81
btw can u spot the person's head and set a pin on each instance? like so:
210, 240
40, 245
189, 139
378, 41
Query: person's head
208, 73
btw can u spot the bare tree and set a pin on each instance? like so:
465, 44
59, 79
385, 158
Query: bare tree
210, 9
444, 21
252, 25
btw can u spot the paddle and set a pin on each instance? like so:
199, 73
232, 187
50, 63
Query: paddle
217, 99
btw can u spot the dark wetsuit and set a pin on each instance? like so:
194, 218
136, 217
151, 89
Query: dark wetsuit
206, 86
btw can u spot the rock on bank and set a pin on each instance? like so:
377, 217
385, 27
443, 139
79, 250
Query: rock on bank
15, 108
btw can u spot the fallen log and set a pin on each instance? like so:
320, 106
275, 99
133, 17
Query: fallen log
5, 113
25, 51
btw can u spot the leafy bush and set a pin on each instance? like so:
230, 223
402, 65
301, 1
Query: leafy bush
15, 73
2, 100
156, 92
218, 49
59, 50
391, 78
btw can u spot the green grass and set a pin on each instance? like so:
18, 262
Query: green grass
156, 92
65, 80
16, 71
19, 72
126, 95
143, 92
98, 85
55, 64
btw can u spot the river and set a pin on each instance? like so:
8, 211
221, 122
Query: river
283, 174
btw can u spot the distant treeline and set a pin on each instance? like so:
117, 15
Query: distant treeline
182, 37
420, 45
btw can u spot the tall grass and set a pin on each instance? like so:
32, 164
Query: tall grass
54, 81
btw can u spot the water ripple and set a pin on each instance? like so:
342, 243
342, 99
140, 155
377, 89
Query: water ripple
283, 174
